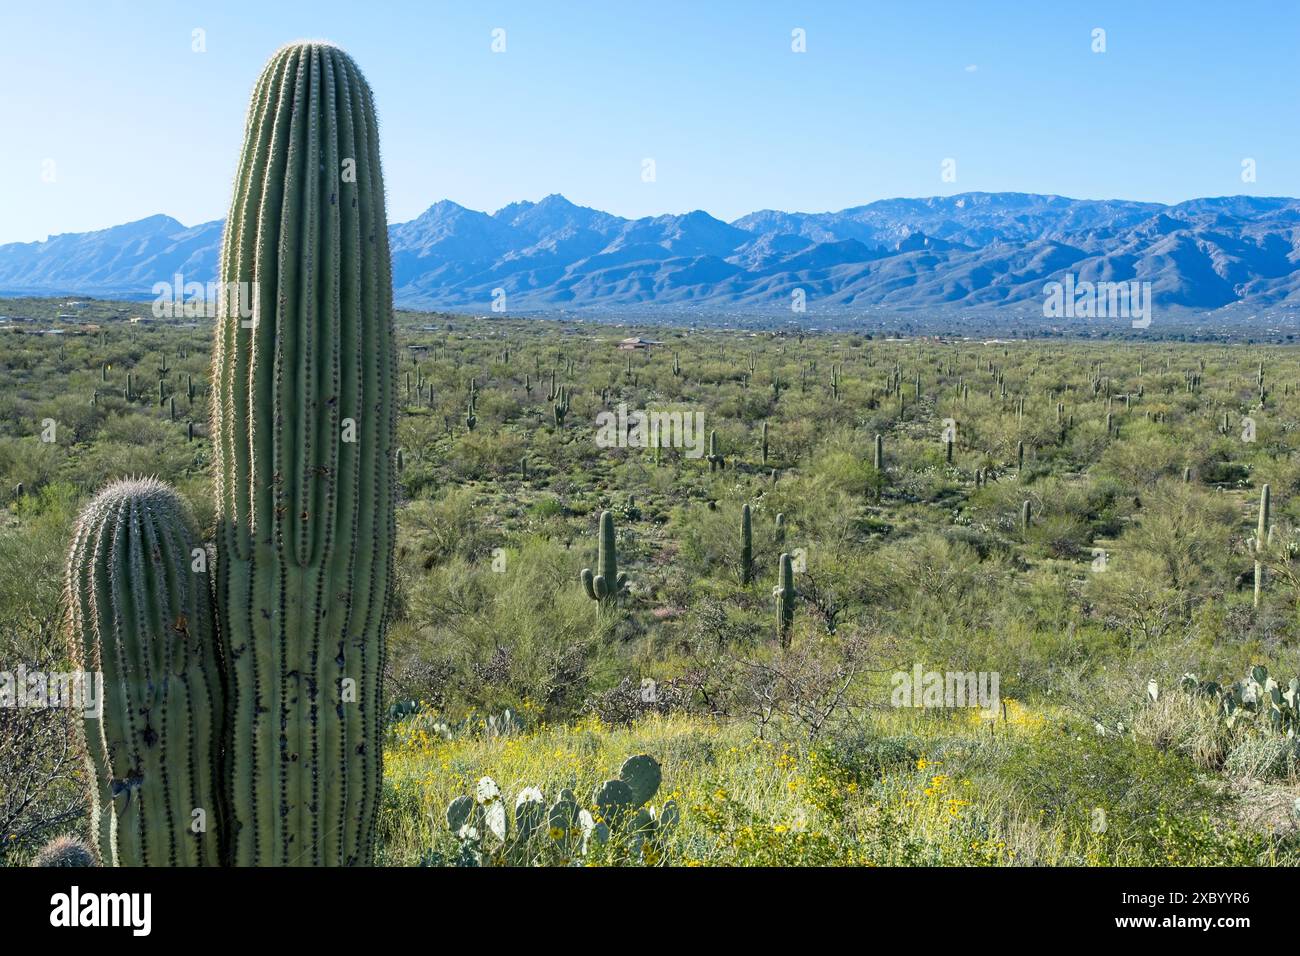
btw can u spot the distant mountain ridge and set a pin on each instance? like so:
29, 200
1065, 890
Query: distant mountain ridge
967, 250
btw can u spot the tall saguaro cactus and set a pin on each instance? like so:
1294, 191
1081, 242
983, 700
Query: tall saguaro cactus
1262, 535
746, 545
140, 616
784, 593
304, 442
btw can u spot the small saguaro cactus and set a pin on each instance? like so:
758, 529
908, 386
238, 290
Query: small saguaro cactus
1020, 456
746, 546
764, 443
606, 586
561, 407
779, 534
784, 593
1263, 531
140, 615
1026, 516
714, 457
879, 458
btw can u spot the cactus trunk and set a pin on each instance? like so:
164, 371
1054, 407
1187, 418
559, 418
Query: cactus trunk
746, 546
784, 593
1261, 539
141, 616
304, 441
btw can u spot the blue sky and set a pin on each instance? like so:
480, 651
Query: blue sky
136, 123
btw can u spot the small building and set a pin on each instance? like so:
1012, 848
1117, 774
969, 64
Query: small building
636, 343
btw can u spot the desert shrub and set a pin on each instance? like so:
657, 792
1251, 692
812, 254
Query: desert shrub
1264, 758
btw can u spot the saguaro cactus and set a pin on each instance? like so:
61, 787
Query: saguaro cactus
561, 406
304, 461
1262, 534
784, 593
714, 457
610, 582
746, 546
140, 615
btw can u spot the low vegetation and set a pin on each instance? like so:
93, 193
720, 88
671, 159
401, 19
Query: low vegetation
1087, 522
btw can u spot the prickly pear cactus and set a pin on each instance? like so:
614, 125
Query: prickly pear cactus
642, 776
623, 823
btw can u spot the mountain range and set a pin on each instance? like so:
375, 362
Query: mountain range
968, 250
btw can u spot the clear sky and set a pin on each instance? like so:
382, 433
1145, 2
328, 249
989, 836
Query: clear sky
135, 122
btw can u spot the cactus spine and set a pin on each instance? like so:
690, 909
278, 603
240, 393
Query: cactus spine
606, 586
303, 443
141, 616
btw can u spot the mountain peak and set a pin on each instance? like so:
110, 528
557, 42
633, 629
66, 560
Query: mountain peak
964, 250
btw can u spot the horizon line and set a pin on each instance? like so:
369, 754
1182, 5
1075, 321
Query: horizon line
790, 212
